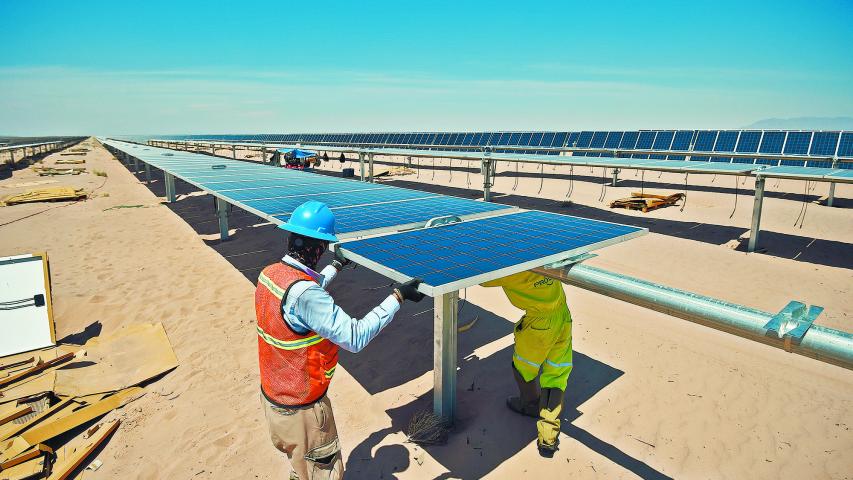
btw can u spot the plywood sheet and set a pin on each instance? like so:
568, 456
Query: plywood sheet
127, 357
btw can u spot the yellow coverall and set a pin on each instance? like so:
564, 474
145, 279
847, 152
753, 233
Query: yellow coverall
543, 340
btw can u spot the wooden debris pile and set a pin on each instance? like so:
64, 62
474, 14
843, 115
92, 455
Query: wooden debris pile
56, 403
48, 194
647, 201
49, 171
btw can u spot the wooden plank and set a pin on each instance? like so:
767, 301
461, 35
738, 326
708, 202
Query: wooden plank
48, 430
37, 368
63, 470
30, 468
14, 429
17, 412
28, 454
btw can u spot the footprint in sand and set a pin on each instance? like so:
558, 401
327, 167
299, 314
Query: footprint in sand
96, 299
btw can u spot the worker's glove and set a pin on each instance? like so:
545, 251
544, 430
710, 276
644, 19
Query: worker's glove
340, 262
409, 290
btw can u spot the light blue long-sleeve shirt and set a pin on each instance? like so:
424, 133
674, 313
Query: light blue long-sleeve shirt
309, 307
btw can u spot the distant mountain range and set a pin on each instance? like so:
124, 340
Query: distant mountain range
804, 123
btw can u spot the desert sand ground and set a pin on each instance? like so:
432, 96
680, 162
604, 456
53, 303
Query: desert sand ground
650, 396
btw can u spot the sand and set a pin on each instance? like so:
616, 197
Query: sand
650, 396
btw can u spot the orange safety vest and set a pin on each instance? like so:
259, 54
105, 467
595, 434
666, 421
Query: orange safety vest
296, 369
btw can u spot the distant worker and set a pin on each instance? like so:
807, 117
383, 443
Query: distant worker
299, 332
543, 342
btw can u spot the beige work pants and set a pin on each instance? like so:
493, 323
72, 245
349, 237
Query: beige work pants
307, 435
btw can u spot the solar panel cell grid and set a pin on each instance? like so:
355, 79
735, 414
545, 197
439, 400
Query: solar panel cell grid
824, 143
469, 249
359, 219
798, 143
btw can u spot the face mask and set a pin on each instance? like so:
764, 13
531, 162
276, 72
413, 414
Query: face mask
307, 250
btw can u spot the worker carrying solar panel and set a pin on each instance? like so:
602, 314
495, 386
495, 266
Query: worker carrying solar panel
543, 343
300, 330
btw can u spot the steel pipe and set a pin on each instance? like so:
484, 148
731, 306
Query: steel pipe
822, 343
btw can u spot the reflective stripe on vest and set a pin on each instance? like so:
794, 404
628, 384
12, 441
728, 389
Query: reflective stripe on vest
289, 344
272, 287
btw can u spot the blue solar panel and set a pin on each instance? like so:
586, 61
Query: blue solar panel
613, 139
583, 139
681, 141
798, 143
644, 142
286, 205
663, 141
310, 189
455, 255
845, 146
362, 218
796, 171
824, 143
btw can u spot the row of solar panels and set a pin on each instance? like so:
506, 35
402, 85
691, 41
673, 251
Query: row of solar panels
806, 143
495, 240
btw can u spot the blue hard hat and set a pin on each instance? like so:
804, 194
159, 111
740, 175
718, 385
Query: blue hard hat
312, 219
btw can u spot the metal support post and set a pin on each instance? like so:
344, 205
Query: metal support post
361, 165
147, 174
830, 199
444, 354
487, 179
264, 154
370, 167
756, 213
615, 176
213, 148
170, 187
234, 151
12, 154
135, 164
222, 213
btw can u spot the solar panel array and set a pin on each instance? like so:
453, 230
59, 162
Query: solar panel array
273, 193
805, 143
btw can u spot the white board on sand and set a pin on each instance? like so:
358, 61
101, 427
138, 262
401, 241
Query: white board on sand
26, 314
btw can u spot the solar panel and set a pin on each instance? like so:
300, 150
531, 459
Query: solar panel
824, 143
299, 190
798, 143
276, 206
412, 213
460, 255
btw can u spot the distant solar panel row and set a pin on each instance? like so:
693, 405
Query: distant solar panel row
806, 143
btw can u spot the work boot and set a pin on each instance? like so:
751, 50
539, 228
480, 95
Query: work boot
548, 426
528, 401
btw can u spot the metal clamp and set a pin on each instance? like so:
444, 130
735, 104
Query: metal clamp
792, 323
560, 264
446, 220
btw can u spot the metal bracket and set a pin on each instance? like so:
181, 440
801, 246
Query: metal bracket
446, 220
560, 264
218, 167
792, 323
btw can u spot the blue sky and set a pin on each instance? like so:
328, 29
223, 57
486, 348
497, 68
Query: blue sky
87, 67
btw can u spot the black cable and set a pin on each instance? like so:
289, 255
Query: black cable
603, 184
541, 179
515, 185
736, 192
684, 200
642, 181
571, 181
16, 307
433, 168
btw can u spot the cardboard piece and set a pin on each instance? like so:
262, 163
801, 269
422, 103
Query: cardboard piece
127, 357
27, 316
